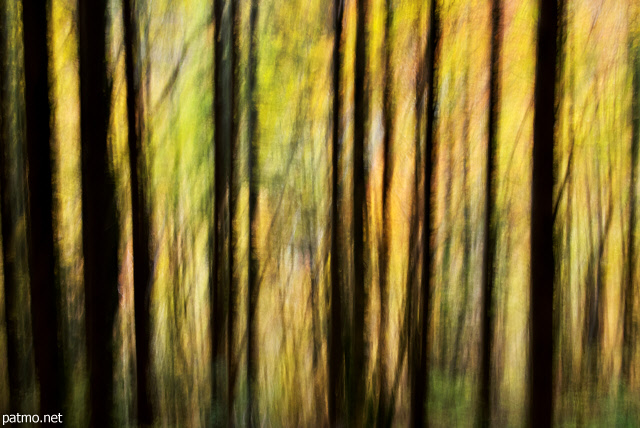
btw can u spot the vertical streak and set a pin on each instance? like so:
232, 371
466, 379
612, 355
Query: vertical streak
252, 325
419, 392
628, 328
542, 263
100, 238
490, 230
234, 53
217, 269
361, 108
336, 352
384, 263
44, 284
139, 213
11, 209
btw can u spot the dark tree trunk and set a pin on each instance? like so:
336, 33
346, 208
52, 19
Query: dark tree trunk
11, 210
139, 213
490, 232
361, 102
44, 286
234, 53
542, 258
99, 211
252, 324
412, 298
387, 174
628, 333
420, 380
336, 351
218, 274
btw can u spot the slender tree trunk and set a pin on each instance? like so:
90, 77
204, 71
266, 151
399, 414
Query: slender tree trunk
234, 53
8, 215
336, 351
413, 345
99, 210
222, 150
44, 285
628, 335
387, 174
420, 380
11, 210
490, 232
542, 264
360, 298
252, 324
139, 213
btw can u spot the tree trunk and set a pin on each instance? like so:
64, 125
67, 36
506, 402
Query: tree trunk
420, 380
99, 210
542, 266
490, 233
44, 284
139, 213
234, 53
361, 106
628, 332
387, 174
218, 273
252, 324
11, 210
336, 351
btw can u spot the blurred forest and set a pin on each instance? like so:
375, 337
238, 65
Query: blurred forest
320, 213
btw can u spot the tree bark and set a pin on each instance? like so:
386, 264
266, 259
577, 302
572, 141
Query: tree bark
628, 334
419, 381
542, 264
42, 271
234, 52
223, 116
252, 324
11, 210
139, 213
490, 230
387, 174
360, 298
336, 350
99, 210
